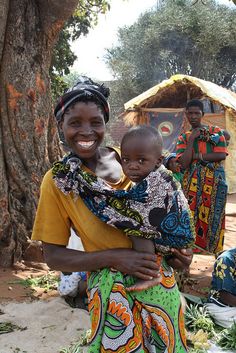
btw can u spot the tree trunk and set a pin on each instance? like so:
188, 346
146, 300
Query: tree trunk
28, 132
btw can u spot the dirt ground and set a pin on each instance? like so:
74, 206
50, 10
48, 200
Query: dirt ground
59, 324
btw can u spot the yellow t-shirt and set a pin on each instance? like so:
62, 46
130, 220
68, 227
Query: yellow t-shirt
57, 212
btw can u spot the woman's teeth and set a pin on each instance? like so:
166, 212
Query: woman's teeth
86, 144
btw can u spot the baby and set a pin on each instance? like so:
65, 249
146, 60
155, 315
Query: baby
141, 154
170, 162
154, 212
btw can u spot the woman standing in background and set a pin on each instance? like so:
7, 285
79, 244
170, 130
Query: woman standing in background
201, 151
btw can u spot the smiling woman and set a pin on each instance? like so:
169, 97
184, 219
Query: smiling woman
83, 127
108, 258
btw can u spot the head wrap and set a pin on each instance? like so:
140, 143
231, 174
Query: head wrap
84, 89
168, 158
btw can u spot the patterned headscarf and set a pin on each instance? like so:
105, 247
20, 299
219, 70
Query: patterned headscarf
84, 89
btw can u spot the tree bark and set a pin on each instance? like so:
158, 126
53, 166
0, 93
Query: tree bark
28, 132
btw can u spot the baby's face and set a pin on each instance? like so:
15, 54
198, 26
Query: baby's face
139, 158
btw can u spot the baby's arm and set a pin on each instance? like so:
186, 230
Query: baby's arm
142, 244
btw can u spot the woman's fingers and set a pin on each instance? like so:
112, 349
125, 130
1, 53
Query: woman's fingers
135, 263
150, 265
148, 256
177, 264
147, 269
181, 258
146, 277
184, 255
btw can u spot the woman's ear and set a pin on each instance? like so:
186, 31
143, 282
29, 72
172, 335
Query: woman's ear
60, 123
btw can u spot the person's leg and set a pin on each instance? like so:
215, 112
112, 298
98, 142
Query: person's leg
141, 244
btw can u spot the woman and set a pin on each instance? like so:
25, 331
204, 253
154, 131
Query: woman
147, 321
201, 151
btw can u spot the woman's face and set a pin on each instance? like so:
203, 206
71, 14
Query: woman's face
194, 116
83, 127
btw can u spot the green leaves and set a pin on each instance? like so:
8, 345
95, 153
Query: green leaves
7, 327
227, 338
84, 18
48, 281
177, 37
197, 317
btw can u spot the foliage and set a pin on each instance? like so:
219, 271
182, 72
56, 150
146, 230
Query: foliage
176, 37
85, 17
7, 327
199, 340
47, 282
227, 338
198, 318
198, 321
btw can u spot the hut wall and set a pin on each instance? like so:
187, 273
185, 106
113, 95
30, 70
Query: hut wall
215, 119
230, 163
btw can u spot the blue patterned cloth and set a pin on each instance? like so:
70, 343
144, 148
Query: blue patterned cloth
155, 208
224, 274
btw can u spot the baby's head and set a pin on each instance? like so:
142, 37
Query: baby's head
141, 152
171, 163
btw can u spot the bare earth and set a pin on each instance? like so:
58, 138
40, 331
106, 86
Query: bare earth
50, 324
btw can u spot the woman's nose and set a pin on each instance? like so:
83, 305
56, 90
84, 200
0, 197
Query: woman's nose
85, 129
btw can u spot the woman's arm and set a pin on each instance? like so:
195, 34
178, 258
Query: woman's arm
140, 264
187, 156
227, 298
210, 157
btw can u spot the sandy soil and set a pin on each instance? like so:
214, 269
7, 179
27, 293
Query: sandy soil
51, 324
48, 326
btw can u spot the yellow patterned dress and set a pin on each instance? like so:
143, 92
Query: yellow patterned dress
205, 187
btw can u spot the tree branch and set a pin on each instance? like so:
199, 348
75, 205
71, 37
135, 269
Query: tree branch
54, 13
4, 7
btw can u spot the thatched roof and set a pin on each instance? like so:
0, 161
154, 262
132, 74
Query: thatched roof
175, 92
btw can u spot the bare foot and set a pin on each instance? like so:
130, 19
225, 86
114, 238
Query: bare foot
142, 285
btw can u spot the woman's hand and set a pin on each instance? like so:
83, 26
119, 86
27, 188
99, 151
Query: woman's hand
139, 264
180, 258
194, 134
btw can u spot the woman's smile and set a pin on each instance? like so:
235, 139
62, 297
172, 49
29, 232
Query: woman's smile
86, 144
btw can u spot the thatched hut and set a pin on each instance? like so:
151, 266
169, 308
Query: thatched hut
163, 107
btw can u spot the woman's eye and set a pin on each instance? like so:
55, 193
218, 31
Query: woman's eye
74, 123
141, 160
96, 123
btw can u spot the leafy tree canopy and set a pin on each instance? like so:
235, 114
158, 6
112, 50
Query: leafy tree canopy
85, 17
176, 37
